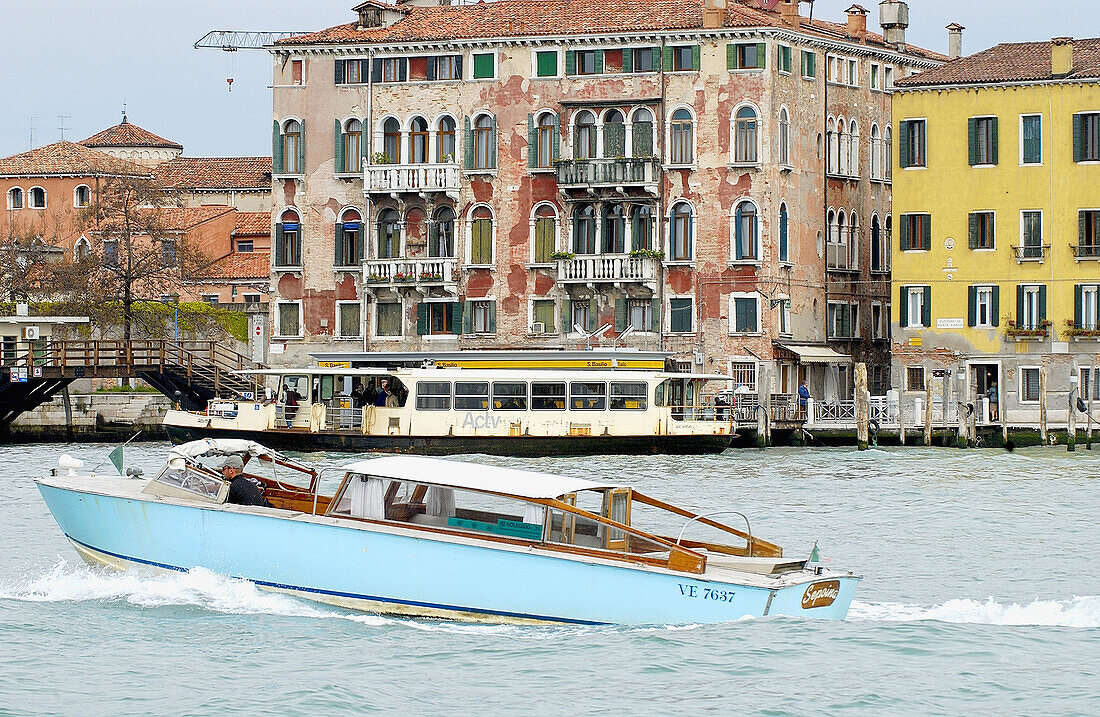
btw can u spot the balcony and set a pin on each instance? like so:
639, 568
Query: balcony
419, 178
608, 174
608, 268
1085, 252
1031, 252
395, 273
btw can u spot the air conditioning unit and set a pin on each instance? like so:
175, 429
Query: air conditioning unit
31, 333
538, 328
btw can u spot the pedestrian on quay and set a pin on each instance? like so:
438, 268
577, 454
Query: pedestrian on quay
992, 394
803, 397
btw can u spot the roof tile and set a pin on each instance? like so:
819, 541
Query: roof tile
252, 224
215, 173
239, 265
67, 158
1011, 62
126, 134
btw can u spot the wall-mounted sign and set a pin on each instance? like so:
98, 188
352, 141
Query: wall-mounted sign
949, 323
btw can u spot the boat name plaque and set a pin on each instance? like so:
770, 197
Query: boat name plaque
820, 594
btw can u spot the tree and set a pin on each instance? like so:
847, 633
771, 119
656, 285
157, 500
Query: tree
29, 255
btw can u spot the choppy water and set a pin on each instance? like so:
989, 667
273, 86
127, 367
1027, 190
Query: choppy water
981, 593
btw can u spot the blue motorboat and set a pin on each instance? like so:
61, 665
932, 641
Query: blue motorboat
437, 538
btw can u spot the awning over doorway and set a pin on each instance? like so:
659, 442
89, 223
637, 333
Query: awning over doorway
815, 354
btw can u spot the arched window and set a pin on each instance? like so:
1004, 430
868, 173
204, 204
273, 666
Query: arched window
784, 234
292, 146
391, 140
877, 249
82, 196
851, 259
614, 134
888, 156
842, 146
38, 198
641, 227
614, 229
485, 152
418, 140
481, 236
853, 148
680, 232
744, 136
546, 134
746, 240
830, 237
82, 249
389, 234
353, 147
784, 137
288, 240
641, 133
349, 238
584, 145
445, 140
680, 130
833, 146
584, 230
15, 198
876, 153
441, 234
545, 222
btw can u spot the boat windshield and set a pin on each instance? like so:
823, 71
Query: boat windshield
192, 480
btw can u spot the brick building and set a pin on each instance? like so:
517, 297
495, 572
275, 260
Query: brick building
524, 173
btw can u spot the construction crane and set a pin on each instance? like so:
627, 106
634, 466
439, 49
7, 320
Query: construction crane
233, 40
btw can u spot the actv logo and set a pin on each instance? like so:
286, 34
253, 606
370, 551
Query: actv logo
820, 594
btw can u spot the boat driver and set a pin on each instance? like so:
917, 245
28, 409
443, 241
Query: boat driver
242, 489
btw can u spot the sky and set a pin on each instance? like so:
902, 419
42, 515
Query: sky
86, 60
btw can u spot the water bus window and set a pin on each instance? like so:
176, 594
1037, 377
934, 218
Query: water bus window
588, 396
547, 396
433, 395
509, 396
628, 396
471, 396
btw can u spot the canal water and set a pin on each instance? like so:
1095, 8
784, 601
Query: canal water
981, 592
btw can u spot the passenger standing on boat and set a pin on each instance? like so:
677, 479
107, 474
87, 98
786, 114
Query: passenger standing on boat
382, 400
242, 489
359, 394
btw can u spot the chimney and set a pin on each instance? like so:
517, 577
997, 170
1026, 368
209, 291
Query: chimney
1061, 56
894, 19
714, 13
955, 40
857, 23
789, 13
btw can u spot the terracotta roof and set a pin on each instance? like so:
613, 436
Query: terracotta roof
215, 173
178, 219
1011, 62
239, 265
524, 18
67, 158
128, 135
252, 224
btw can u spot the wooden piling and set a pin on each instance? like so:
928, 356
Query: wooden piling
972, 432
901, 418
927, 410
1071, 429
1088, 402
863, 407
948, 378
1043, 404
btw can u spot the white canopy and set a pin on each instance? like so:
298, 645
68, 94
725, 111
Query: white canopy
473, 476
216, 447
817, 354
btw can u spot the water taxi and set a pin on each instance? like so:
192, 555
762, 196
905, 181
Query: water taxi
435, 538
483, 405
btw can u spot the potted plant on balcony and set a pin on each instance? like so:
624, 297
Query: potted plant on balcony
403, 276
1078, 333
562, 256
380, 158
431, 276
448, 158
648, 254
1025, 333
375, 279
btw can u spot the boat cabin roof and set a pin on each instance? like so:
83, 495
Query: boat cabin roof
473, 476
453, 373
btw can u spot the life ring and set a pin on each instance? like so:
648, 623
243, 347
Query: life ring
873, 424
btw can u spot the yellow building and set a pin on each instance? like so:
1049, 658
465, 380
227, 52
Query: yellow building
996, 216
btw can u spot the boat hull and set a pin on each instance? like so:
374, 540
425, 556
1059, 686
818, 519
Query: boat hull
396, 571
531, 446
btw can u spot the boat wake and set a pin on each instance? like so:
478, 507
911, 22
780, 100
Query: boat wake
1078, 612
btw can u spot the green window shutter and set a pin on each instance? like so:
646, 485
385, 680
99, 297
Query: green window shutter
620, 315
421, 318
276, 148
992, 231
1019, 305
1078, 138
668, 59
731, 56
566, 316
360, 242
598, 62
903, 144
996, 306
737, 235
338, 260
972, 307
926, 233
570, 62
655, 315
642, 139
341, 162
903, 306
467, 145
592, 309
431, 68
302, 149
1077, 306
1082, 227
995, 155
614, 140
492, 317
655, 57
339, 72
811, 63
279, 261
456, 317
1042, 303
695, 57
483, 66
973, 231
493, 142
761, 55
972, 140
547, 63
467, 319
903, 235
532, 142
557, 138
926, 307
628, 59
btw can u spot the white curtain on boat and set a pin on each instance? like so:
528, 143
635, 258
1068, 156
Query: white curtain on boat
366, 498
440, 502
533, 513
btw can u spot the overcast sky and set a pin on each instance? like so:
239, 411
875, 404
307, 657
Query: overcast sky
84, 59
